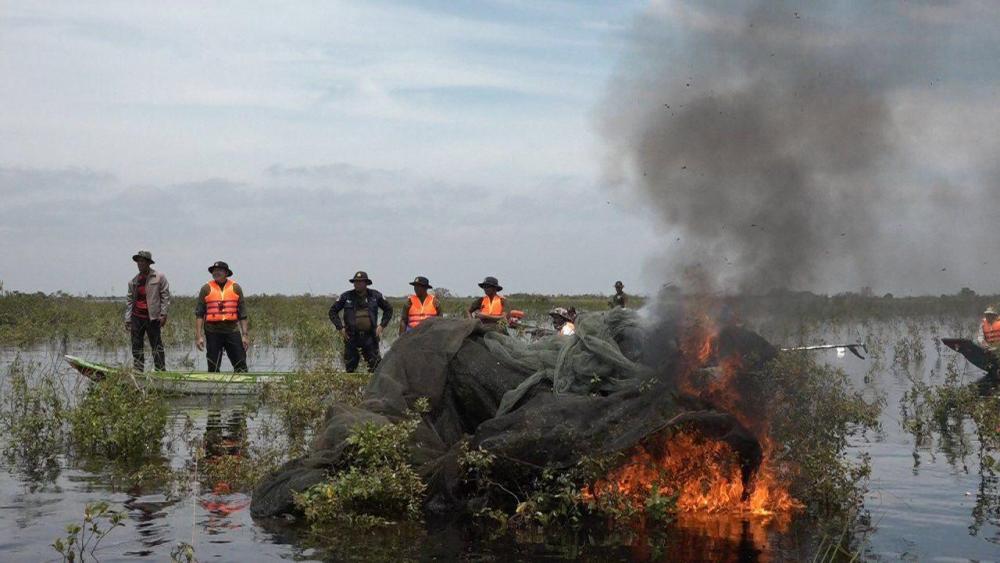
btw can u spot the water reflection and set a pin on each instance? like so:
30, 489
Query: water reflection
935, 488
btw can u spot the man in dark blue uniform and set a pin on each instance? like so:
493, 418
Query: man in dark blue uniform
360, 327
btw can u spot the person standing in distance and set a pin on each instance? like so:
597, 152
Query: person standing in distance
360, 328
619, 299
146, 311
421, 306
222, 316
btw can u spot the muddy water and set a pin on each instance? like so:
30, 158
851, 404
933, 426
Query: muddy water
928, 499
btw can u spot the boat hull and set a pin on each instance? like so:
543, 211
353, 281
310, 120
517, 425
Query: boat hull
979, 356
188, 383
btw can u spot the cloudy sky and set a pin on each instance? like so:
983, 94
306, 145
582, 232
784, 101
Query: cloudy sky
303, 141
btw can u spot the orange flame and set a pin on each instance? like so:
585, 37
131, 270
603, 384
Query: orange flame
704, 475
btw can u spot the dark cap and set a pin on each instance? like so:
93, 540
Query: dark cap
619, 284
220, 264
362, 277
421, 280
145, 255
490, 281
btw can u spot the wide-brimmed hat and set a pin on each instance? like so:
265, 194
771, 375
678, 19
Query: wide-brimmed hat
220, 264
361, 276
145, 255
490, 281
421, 280
991, 310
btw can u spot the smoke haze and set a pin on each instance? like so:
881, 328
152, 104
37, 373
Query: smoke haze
797, 144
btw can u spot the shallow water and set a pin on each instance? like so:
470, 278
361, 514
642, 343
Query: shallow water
926, 502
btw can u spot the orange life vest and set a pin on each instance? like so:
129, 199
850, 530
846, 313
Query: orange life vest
991, 332
420, 312
221, 303
493, 308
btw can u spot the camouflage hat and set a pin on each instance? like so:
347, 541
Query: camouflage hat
991, 310
421, 280
490, 281
361, 276
145, 255
220, 264
561, 312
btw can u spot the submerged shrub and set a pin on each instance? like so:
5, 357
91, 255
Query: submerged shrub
118, 419
32, 417
819, 416
302, 400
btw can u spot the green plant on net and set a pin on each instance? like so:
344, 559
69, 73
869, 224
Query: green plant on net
82, 539
377, 484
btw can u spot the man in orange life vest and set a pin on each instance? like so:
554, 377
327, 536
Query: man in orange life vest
360, 328
421, 306
146, 311
991, 328
492, 308
222, 316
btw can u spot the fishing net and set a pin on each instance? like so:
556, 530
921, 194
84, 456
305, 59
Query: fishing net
537, 404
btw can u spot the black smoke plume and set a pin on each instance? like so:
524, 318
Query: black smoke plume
764, 138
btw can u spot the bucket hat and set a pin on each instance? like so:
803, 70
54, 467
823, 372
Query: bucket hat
361, 276
421, 280
490, 281
220, 264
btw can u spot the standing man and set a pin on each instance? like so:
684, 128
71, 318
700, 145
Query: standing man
360, 328
146, 311
619, 299
492, 308
422, 306
222, 315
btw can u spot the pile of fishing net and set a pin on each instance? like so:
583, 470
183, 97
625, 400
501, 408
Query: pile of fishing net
537, 404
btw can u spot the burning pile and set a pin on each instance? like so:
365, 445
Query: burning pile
704, 473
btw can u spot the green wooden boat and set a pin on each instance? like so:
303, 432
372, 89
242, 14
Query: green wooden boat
187, 382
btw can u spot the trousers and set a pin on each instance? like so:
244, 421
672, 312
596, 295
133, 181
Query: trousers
367, 344
141, 328
229, 342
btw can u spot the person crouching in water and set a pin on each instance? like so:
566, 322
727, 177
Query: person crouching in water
222, 316
991, 328
360, 328
563, 321
421, 306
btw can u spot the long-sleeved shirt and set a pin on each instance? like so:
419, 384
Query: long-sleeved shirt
157, 295
354, 304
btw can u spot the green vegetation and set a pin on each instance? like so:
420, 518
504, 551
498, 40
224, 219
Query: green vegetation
820, 416
32, 416
303, 399
119, 419
82, 540
276, 321
377, 485
951, 418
